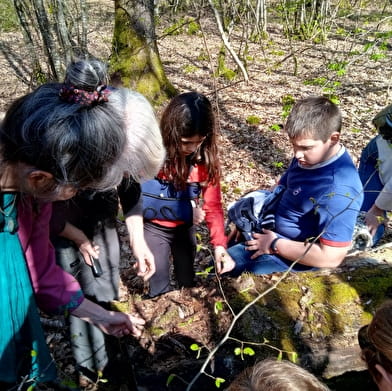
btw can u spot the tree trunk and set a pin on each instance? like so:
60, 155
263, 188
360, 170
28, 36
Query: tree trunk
135, 60
261, 15
46, 30
53, 35
313, 317
62, 32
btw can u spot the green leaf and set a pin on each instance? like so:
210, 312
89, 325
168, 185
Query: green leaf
249, 351
33, 353
294, 357
334, 99
31, 387
219, 381
275, 127
280, 356
253, 120
218, 306
170, 379
195, 347
237, 351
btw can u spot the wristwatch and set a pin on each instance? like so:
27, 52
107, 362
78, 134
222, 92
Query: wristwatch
273, 248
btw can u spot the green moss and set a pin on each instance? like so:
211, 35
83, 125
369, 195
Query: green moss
322, 302
8, 18
193, 28
148, 85
137, 63
157, 331
187, 323
253, 120
287, 343
167, 317
190, 68
222, 69
119, 306
203, 56
228, 74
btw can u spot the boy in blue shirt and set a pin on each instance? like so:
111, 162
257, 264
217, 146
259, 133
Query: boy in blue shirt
317, 212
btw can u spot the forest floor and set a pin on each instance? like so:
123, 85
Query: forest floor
252, 155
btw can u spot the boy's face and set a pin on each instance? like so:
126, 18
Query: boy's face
309, 151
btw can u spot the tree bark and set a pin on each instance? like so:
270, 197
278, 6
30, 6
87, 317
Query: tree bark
53, 34
135, 60
226, 41
46, 30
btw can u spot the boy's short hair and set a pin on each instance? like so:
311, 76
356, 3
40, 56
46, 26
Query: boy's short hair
314, 116
274, 375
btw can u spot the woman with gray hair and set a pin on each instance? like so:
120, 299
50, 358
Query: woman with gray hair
59, 139
87, 244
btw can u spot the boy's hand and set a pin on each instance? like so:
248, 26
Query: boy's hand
261, 243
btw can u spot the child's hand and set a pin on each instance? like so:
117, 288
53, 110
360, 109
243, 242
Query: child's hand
145, 262
198, 215
374, 217
223, 261
88, 249
260, 244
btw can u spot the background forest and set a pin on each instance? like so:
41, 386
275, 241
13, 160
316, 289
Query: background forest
252, 58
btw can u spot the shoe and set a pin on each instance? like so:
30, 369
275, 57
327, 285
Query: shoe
362, 239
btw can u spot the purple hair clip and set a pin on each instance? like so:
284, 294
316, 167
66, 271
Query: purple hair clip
70, 94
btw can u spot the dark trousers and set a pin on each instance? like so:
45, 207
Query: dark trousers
90, 345
370, 178
369, 175
180, 243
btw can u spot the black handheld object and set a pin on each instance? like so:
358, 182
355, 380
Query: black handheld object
96, 267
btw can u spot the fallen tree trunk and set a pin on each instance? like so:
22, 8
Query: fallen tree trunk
311, 316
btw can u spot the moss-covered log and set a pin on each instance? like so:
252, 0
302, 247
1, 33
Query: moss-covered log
135, 60
311, 316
